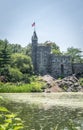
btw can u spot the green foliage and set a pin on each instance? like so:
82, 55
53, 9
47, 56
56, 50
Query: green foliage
18, 66
71, 125
22, 62
5, 72
21, 68
27, 50
9, 121
15, 48
4, 54
34, 86
76, 54
54, 47
81, 81
57, 52
5, 59
65, 88
15, 75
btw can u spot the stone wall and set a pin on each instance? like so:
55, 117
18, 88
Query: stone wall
78, 68
42, 59
60, 66
34, 57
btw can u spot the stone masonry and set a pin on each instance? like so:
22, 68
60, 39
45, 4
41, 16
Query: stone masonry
46, 63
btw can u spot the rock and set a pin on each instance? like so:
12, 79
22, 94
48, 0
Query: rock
52, 86
68, 84
3, 79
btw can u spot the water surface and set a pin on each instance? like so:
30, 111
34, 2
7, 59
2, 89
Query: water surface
47, 111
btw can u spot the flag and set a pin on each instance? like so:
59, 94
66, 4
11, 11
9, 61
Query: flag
33, 24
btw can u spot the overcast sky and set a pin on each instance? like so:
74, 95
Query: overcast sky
60, 21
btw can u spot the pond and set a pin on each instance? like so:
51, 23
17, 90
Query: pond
47, 111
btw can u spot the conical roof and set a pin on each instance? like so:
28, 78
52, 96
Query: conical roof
34, 37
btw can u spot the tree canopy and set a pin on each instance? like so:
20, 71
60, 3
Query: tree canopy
76, 54
15, 61
54, 47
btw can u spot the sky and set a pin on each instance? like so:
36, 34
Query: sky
59, 21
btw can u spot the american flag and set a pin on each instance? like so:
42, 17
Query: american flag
33, 24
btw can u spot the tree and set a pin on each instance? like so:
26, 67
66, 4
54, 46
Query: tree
5, 54
54, 47
28, 50
15, 48
22, 62
76, 54
15, 75
4, 57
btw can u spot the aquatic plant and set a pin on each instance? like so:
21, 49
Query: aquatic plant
9, 120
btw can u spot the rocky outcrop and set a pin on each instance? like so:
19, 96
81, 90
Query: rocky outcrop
67, 84
51, 85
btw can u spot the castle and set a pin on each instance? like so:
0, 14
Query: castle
44, 62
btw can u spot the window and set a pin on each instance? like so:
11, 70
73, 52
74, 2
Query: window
62, 69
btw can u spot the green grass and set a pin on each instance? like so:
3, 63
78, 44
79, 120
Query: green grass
35, 86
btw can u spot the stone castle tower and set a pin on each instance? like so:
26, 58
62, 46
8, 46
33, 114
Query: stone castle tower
40, 56
46, 63
34, 51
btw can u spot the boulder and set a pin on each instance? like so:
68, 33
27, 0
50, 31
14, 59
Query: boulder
67, 84
51, 85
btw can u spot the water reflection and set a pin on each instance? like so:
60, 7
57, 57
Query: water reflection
55, 118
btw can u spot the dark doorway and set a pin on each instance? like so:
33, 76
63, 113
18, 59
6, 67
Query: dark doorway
62, 70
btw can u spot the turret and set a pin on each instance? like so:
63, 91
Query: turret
34, 51
34, 38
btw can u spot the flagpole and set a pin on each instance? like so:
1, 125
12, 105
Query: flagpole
34, 28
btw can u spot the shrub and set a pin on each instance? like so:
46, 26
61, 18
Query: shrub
22, 62
81, 81
26, 78
34, 86
15, 75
